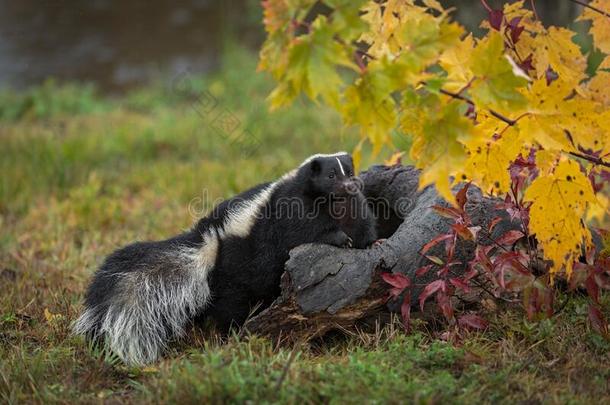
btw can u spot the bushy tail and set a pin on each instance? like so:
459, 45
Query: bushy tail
144, 295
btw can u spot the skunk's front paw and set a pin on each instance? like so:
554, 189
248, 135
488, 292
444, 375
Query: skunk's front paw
339, 239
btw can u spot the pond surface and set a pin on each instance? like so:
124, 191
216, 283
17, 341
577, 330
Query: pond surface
116, 44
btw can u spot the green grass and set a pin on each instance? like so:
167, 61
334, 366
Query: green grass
83, 174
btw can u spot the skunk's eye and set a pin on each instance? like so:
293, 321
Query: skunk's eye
349, 173
331, 176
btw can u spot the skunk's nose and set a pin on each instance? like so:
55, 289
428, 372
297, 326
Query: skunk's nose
350, 185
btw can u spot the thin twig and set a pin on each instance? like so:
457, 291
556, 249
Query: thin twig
364, 53
593, 159
533, 3
486, 5
587, 5
469, 101
456, 96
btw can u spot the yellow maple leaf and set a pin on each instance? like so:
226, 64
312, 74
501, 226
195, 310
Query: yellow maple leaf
546, 160
553, 48
490, 157
599, 211
605, 63
372, 14
437, 147
599, 88
371, 108
496, 86
603, 137
385, 20
395, 159
546, 110
600, 23
585, 121
559, 202
517, 9
276, 15
455, 61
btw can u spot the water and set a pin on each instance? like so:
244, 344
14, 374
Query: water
116, 44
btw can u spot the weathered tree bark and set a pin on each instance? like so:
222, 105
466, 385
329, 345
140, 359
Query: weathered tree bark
326, 288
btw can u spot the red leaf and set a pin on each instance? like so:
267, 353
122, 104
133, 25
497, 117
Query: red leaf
530, 301
445, 305
510, 237
405, 311
394, 292
480, 257
602, 281
422, 270
527, 63
429, 290
463, 231
590, 255
472, 272
579, 275
443, 271
517, 281
458, 283
396, 280
515, 30
472, 321
495, 19
461, 197
592, 288
551, 76
434, 242
548, 297
598, 322
493, 223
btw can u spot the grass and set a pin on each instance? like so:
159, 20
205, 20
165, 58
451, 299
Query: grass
83, 174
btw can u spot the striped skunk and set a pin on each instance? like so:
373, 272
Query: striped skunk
146, 293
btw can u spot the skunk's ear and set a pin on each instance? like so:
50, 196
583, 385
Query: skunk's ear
315, 166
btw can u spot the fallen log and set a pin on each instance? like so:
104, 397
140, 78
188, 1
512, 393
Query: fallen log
326, 288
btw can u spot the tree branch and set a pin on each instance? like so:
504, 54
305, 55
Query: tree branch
484, 3
593, 159
587, 5
469, 101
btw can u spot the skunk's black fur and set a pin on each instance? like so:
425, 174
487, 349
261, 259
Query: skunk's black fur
144, 294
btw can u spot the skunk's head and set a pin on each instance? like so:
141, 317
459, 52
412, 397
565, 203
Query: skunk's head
330, 174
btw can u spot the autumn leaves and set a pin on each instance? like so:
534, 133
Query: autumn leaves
470, 106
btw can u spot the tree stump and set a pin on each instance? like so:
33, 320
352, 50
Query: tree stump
326, 288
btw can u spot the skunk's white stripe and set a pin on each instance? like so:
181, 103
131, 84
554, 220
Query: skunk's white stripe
321, 155
239, 222
340, 166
